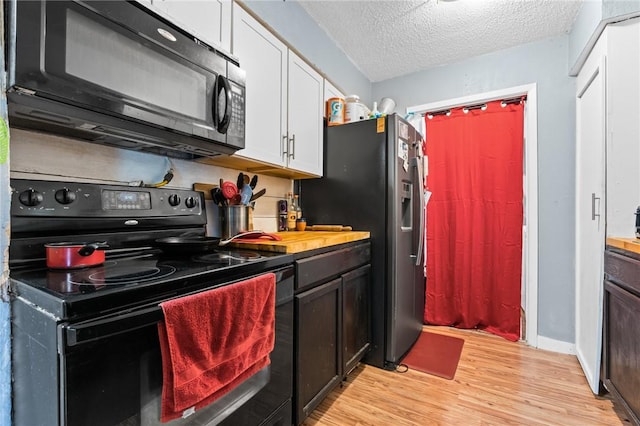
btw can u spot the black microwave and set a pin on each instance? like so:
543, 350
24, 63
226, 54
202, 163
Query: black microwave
116, 73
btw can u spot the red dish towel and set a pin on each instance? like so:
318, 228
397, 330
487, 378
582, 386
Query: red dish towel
213, 341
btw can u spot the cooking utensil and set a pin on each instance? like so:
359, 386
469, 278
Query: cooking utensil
218, 198
229, 189
258, 194
235, 200
245, 194
240, 181
328, 228
88, 249
251, 235
187, 244
69, 255
253, 182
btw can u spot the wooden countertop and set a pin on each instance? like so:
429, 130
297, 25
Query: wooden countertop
299, 241
629, 244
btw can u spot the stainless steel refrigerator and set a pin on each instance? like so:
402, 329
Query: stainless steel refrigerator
373, 181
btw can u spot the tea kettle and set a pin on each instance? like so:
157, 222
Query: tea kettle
638, 222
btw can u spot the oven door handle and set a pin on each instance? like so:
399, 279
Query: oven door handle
96, 329
87, 331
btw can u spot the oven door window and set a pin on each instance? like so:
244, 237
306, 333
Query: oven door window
117, 381
92, 58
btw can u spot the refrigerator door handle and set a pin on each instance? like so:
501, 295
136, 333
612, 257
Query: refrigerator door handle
419, 184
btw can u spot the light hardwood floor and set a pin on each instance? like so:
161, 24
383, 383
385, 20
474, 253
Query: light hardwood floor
497, 383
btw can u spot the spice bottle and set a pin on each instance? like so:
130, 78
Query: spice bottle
297, 207
291, 214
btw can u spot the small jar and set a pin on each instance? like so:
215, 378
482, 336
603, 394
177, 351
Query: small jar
301, 224
352, 109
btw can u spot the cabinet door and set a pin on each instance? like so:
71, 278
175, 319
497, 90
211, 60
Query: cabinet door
318, 357
622, 365
264, 59
209, 20
590, 216
330, 91
356, 325
306, 88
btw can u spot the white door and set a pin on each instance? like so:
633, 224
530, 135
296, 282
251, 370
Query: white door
590, 216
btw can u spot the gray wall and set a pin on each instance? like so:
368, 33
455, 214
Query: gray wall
584, 25
293, 23
544, 63
613, 8
591, 14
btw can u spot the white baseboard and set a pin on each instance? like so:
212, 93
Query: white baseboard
556, 345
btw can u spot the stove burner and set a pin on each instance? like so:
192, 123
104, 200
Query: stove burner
229, 257
114, 274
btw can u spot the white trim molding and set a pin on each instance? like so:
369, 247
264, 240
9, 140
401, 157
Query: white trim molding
558, 346
586, 51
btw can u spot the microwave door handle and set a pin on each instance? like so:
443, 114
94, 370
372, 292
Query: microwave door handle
222, 84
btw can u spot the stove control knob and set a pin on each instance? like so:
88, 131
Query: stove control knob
174, 199
190, 202
30, 197
65, 196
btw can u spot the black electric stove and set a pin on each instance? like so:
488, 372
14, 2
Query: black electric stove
129, 219
94, 320
143, 278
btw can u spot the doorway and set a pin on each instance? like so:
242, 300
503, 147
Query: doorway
529, 281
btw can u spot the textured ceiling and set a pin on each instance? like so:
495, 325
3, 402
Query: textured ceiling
387, 39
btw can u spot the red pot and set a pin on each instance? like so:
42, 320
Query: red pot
68, 255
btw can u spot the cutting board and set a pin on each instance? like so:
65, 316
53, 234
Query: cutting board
206, 188
299, 241
629, 244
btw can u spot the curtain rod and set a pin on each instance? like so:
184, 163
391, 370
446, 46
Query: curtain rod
482, 106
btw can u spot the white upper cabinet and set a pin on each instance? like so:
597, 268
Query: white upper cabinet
305, 107
208, 20
284, 101
264, 59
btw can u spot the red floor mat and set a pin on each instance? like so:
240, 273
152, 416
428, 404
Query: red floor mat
435, 354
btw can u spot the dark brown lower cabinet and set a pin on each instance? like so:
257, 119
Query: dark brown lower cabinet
356, 325
332, 320
621, 336
318, 357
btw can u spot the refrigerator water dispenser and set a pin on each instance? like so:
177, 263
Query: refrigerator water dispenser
406, 209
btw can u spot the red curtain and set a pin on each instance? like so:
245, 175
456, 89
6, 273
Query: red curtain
474, 219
